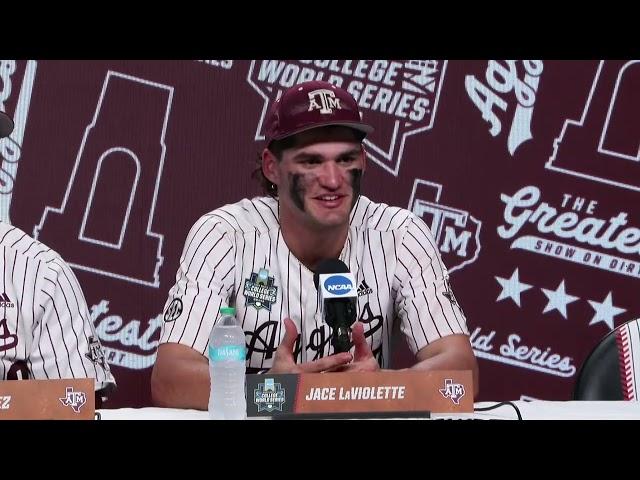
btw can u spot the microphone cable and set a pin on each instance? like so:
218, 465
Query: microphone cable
497, 405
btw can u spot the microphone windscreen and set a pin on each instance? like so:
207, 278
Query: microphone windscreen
329, 265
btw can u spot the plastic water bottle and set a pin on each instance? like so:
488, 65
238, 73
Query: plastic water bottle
227, 368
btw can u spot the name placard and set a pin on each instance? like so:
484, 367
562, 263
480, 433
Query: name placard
441, 391
66, 399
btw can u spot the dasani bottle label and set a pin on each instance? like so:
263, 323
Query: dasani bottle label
227, 352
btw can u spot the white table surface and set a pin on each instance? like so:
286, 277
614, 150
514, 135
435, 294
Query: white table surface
535, 410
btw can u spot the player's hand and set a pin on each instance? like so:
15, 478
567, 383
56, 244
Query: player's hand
363, 359
284, 362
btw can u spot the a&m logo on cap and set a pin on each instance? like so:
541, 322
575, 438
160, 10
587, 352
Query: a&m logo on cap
324, 100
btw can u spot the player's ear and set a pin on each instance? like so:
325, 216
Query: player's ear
270, 166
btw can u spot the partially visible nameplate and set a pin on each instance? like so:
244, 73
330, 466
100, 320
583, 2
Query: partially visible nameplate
442, 391
66, 399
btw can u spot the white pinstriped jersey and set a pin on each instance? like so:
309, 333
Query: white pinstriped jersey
390, 251
45, 327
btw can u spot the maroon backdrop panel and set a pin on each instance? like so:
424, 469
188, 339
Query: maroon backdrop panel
527, 172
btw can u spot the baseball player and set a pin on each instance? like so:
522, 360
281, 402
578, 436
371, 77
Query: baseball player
45, 327
259, 255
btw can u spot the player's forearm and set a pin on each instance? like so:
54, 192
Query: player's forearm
452, 360
180, 383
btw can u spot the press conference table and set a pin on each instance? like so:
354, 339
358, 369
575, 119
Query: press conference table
534, 410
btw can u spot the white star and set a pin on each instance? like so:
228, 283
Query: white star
512, 287
558, 299
605, 311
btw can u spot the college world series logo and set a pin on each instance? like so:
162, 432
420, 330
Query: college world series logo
398, 97
269, 396
259, 290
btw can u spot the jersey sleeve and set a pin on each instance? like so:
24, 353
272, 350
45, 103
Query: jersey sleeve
425, 303
204, 283
65, 343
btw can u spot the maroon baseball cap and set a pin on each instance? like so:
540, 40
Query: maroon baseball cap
6, 125
311, 105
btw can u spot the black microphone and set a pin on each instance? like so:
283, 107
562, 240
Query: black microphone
6, 125
337, 289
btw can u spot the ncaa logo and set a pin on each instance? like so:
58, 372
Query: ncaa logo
338, 285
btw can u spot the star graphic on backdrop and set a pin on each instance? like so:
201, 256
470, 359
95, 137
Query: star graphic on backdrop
605, 311
558, 299
512, 287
